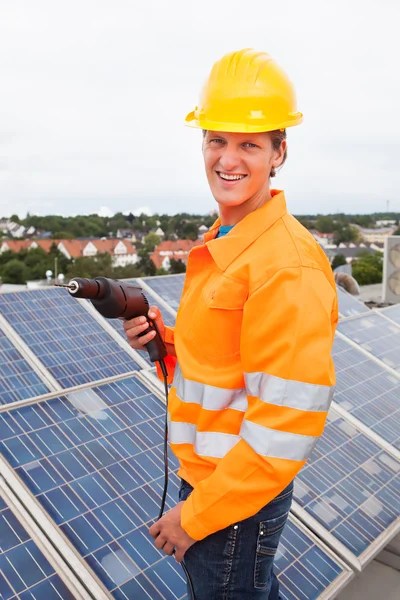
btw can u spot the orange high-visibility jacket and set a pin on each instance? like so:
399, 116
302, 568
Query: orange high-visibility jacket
254, 376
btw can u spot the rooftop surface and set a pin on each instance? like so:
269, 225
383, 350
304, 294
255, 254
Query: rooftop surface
81, 437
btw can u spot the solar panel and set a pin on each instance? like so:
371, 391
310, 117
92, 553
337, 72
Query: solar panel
368, 391
25, 573
351, 487
70, 343
393, 312
375, 334
348, 304
18, 380
305, 569
94, 461
169, 287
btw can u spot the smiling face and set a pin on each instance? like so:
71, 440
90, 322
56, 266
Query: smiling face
238, 167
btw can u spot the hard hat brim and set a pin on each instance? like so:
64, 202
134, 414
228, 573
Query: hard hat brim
192, 121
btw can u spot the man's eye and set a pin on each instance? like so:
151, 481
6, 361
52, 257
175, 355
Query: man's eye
216, 141
250, 145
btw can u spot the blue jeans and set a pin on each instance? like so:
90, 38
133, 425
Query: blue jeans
236, 563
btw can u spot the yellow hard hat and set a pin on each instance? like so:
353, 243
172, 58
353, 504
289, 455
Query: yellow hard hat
246, 92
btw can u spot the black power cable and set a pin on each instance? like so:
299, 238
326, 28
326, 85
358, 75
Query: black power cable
165, 375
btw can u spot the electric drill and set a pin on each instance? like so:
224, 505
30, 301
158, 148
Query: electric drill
118, 299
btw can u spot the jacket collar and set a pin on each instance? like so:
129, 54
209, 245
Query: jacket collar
225, 250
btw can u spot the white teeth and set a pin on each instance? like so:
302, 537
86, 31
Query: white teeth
231, 177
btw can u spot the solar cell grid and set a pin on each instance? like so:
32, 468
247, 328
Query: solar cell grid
368, 391
65, 337
393, 312
375, 334
350, 486
25, 573
94, 461
168, 287
349, 305
18, 380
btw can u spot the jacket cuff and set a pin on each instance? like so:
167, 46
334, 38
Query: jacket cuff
190, 523
169, 335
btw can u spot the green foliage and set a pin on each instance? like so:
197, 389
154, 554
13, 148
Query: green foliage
325, 225
368, 269
150, 242
338, 260
177, 266
190, 231
397, 232
14, 272
35, 261
347, 233
146, 264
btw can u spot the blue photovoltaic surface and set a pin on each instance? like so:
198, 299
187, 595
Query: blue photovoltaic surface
367, 391
349, 305
169, 287
25, 574
64, 336
304, 569
377, 335
393, 312
350, 485
18, 380
94, 461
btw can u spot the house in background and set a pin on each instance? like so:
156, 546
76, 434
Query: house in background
172, 249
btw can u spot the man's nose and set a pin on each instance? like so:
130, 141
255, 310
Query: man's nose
230, 159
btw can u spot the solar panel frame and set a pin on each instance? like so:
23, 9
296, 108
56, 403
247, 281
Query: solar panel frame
348, 498
18, 378
37, 549
66, 339
375, 334
151, 574
391, 312
349, 305
368, 392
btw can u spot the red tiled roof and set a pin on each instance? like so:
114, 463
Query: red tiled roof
177, 249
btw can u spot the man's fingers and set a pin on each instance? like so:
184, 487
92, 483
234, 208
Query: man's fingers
169, 549
154, 530
179, 554
160, 542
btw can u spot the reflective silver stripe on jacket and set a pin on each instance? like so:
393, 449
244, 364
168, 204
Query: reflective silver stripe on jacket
293, 394
277, 444
265, 442
209, 397
205, 443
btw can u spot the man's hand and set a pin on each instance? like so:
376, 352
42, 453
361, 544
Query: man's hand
169, 535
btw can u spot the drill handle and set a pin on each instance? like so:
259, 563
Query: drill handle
156, 347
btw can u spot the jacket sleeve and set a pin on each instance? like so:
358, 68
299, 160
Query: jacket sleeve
170, 361
287, 334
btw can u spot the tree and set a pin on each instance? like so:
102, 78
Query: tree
397, 232
14, 272
347, 233
368, 268
190, 231
338, 260
177, 266
151, 241
324, 225
146, 264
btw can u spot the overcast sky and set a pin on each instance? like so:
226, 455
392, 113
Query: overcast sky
93, 96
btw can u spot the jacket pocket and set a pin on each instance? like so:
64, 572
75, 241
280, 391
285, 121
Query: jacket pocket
269, 534
216, 322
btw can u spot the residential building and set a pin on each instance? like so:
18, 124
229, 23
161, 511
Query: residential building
123, 252
324, 239
178, 250
377, 235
